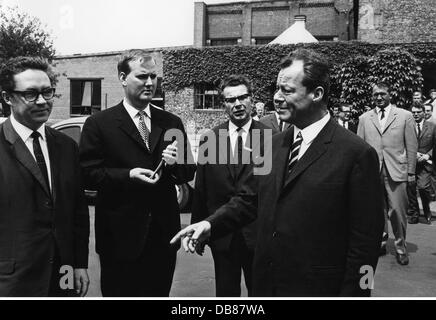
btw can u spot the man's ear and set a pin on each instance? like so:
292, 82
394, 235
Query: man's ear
6, 97
318, 94
122, 77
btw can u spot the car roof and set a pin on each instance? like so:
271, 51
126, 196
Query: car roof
75, 120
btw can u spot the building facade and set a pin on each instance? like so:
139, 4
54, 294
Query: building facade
259, 22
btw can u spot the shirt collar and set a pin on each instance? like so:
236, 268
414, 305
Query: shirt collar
132, 111
23, 131
310, 132
387, 109
245, 127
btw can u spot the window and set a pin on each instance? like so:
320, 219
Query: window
223, 42
85, 96
264, 40
206, 97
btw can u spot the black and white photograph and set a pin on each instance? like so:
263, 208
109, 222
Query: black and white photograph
228, 152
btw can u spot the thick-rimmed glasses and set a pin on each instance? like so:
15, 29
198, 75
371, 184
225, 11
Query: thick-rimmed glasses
32, 95
240, 98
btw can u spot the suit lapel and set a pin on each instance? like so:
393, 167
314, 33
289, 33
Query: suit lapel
157, 127
424, 129
316, 149
391, 118
23, 154
280, 158
375, 121
127, 125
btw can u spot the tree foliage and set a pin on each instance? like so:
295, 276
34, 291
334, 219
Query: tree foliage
22, 35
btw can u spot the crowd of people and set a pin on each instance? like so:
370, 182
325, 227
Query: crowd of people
306, 227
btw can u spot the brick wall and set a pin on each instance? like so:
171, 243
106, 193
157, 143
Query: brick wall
397, 21
181, 103
102, 66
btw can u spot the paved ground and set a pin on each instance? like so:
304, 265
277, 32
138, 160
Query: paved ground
194, 276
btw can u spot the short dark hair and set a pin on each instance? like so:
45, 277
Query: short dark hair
133, 55
418, 105
17, 65
382, 84
235, 80
316, 69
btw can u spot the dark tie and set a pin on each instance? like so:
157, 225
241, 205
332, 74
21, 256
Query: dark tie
39, 156
143, 130
382, 111
343, 123
238, 146
295, 149
281, 125
418, 126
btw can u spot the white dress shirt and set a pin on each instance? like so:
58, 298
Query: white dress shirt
24, 133
234, 134
383, 121
133, 113
341, 123
310, 133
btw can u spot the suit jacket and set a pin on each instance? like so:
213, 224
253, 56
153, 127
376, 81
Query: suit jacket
397, 145
352, 126
216, 184
33, 219
110, 147
271, 122
426, 144
316, 225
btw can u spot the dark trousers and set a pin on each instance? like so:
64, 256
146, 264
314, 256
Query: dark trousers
423, 183
229, 265
151, 275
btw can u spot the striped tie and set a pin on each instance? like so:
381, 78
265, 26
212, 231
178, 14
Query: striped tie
143, 130
295, 149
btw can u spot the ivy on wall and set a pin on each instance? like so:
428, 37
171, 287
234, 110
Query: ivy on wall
355, 66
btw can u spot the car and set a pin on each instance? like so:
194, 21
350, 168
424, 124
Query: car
73, 128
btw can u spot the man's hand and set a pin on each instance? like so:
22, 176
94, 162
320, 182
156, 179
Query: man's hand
144, 176
169, 155
422, 157
193, 235
81, 282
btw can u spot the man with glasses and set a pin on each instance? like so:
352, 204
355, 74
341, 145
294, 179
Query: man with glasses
136, 211
273, 120
344, 118
216, 183
44, 220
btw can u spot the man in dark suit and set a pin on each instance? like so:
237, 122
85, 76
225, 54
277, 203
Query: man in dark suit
216, 184
44, 219
136, 212
344, 118
426, 132
320, 213
273, 120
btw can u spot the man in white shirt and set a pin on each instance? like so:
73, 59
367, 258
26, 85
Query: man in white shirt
44, 220
320, 211
344, 118
217, 183
391, 131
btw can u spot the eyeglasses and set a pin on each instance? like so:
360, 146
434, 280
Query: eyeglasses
240, 98
32, 95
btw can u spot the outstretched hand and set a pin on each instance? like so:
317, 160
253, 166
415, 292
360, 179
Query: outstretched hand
193, 236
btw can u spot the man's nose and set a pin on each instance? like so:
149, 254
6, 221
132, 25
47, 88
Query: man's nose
40, 99
148, 82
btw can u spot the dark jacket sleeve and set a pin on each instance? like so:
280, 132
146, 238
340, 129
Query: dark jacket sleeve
92, 159
366, 222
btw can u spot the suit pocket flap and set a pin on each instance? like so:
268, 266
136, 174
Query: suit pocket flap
7, 266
